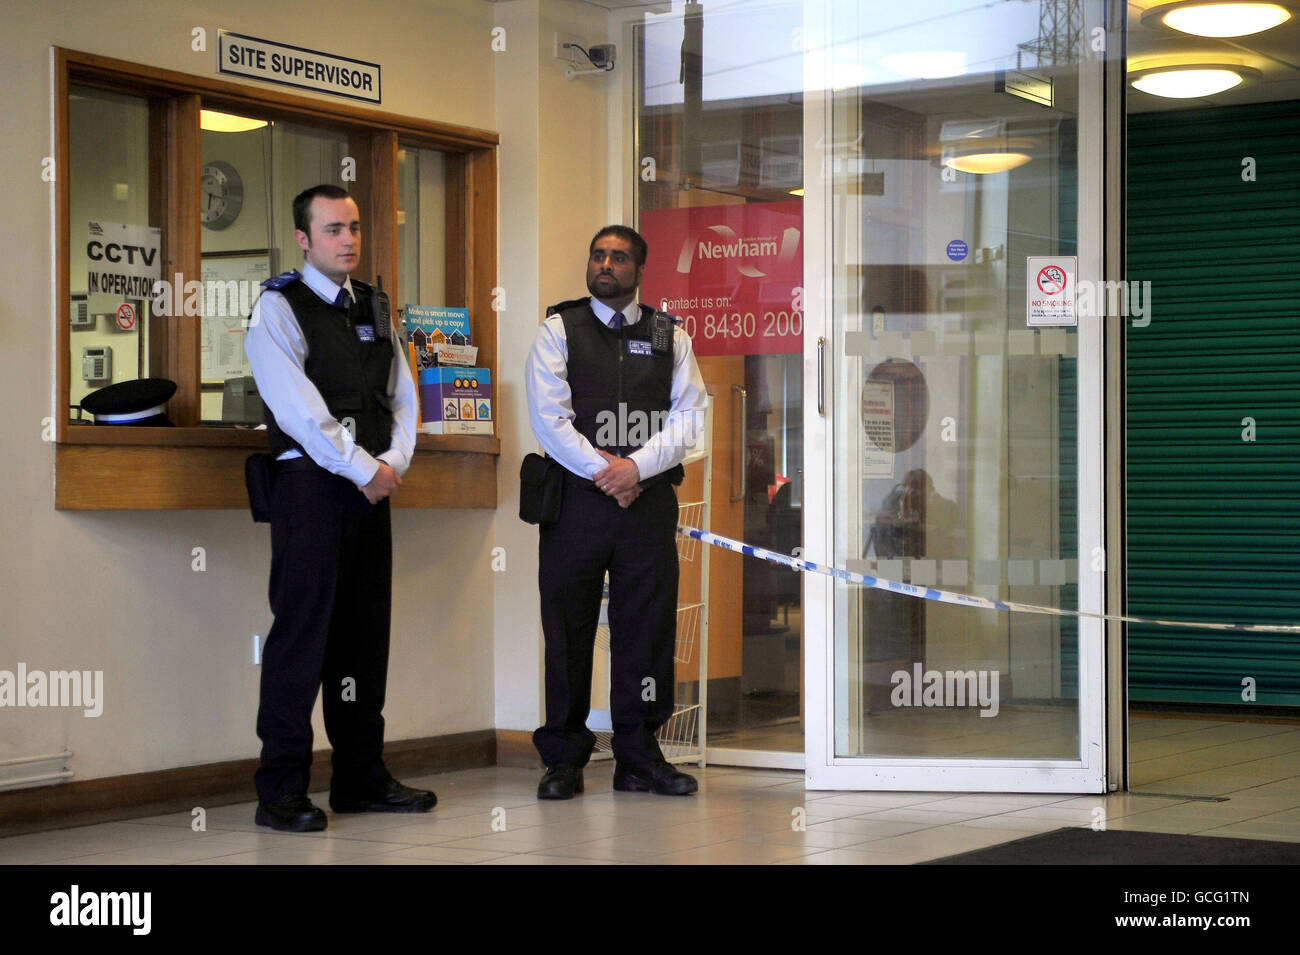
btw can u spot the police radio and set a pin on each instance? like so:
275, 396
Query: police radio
381, 311
661, 333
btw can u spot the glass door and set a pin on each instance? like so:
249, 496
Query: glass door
720, 153
953, 423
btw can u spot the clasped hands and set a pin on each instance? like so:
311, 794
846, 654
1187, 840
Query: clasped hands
620, 480
384, 483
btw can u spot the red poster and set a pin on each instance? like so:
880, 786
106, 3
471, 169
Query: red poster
733, 273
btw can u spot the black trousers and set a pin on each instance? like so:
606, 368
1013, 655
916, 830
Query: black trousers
638, 547
331, 593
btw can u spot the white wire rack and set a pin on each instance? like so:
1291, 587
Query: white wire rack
679, 738
691, 515
688, 630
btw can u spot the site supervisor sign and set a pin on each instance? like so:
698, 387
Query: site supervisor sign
274, 62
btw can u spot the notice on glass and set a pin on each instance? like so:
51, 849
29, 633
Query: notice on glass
878, 429
230, 285
1050, 297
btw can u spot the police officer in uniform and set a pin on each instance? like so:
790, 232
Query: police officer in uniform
615, 396
341, 420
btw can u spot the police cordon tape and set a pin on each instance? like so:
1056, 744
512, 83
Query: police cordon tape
962, 600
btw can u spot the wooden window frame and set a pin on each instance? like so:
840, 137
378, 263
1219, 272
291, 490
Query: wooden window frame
191, 466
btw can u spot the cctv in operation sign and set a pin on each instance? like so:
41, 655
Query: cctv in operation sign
122, 260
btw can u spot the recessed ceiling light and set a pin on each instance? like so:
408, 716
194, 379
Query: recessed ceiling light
1218, 19
216, 122
1188, 82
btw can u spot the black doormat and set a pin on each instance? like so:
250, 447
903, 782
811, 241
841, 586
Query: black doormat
1074, 846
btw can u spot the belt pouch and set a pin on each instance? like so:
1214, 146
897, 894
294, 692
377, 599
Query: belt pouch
541, 488
257, 478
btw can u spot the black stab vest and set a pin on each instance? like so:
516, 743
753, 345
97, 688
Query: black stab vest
620, 396
351, 375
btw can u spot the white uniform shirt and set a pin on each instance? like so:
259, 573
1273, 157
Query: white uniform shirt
277, 353
550, 402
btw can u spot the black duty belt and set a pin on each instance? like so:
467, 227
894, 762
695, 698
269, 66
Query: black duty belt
300, 463
672, 476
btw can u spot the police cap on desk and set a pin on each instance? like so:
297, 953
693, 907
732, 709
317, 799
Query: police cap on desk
142, 402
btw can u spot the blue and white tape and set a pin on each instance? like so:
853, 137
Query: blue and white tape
963, 600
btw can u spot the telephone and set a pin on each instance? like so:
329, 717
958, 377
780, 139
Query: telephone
82, 319
97, 363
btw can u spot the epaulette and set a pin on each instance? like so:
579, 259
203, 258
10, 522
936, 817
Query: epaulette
648, 311
277, 282
364, 286
571, 303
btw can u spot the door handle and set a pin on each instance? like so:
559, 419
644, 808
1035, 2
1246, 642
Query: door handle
821, 377
738, 433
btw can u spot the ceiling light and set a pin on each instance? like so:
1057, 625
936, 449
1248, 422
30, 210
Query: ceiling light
982, 164
845, 75
927, 64
215, 122
983, 146
1188, 82
797, 192
1218, 19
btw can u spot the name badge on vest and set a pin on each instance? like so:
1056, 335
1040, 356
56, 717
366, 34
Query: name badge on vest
366, 333
636, 346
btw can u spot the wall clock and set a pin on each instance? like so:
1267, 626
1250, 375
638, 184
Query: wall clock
221, 194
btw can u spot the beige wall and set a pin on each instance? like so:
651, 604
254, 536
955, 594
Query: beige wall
556, 138
115, 591
517, 651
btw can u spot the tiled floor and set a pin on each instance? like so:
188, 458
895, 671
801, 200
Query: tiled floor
759, 817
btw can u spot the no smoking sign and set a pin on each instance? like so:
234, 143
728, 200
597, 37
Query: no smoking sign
1050, 290
1051, 280
126, 316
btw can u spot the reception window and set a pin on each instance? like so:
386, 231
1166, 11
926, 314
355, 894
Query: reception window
115, 239
177, 204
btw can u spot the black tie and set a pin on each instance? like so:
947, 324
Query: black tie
343, 300
617, 321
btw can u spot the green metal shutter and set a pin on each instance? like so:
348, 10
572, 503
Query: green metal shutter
1213, 521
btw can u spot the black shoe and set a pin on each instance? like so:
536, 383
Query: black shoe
561, 781
291, 814
393, 797
657, 777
